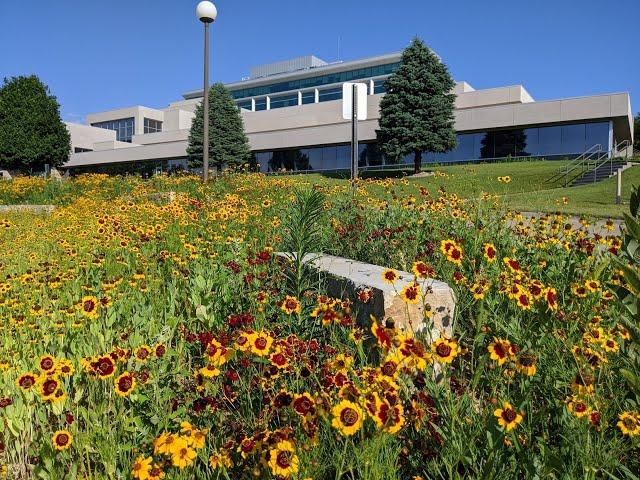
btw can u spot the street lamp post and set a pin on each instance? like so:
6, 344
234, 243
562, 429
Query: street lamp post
207, 13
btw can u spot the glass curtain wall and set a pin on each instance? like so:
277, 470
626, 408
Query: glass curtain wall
124, 128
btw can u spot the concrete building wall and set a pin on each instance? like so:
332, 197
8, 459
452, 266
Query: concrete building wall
84, 136
139, 113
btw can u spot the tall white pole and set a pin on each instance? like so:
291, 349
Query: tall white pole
205, 108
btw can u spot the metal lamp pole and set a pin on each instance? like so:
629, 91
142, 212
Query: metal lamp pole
207, 13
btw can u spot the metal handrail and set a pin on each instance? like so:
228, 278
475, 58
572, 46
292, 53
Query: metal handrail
620, 145
578, 162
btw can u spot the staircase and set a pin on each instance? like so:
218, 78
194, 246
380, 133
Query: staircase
600, 172
592, 166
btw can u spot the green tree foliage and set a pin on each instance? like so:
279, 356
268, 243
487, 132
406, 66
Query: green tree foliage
32, 133
416, 114
228, 144
636, 131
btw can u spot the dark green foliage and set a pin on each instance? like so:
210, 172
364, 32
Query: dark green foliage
636, 129
416, 114
32, 133
228, 144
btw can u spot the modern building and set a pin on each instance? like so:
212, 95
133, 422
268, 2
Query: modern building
292, 113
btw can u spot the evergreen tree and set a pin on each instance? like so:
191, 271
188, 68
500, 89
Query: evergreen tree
228, 144
32, 133
636, 131
416, 114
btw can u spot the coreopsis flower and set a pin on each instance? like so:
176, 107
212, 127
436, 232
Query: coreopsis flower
104, 366
489, 252
452, 251
183, 457
629, 423
348, 417
27, 381
125, 384
592, 285
141, 468
303, 404
142, 353
47, 364
551, 296
577, 406
445, 349
508, 418
422, 270
390, 276
48, 387
282, 459
291, 305
500, 350
526, 364
89, 307
579, 291
61, 440
512, 264
411, 293
260, 343
220, 459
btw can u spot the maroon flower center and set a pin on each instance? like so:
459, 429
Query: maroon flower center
283, 460
46, 363
509, 415
261, 343
62, 439
89, 306
49, 387
27, 382
349, 417
125, 383
443, 350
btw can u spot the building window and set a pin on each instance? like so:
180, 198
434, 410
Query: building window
261, 104
328, 79
378, 86
124, 128
308, 97
80, 150
246, 104
283, 101
330, 94
152, 126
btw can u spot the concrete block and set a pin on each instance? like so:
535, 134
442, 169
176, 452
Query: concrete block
27, 208
346, 278
4, 175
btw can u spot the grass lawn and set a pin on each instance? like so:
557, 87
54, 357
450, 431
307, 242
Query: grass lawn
597, 199
528, 190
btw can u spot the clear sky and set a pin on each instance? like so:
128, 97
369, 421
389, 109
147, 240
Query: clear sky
104, 54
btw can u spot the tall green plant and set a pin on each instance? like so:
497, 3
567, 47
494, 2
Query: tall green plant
302, 238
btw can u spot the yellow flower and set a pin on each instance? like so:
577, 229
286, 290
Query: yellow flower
445, 349
220, 459
291, 305
390, 276
629, 423
183, 457
508, 418
347, 417
142, 468
125, 384
411, 293
61, 440
282, 459
260, 343
500, 350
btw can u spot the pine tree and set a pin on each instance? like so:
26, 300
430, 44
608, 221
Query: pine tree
228, 144
416, 114
32, 133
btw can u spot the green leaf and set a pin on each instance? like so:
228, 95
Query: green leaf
632, 380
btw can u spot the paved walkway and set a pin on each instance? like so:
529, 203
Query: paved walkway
597, 226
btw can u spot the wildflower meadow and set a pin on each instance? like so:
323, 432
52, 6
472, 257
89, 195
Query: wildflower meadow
150, 329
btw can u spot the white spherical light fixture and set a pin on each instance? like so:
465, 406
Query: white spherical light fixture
206, 11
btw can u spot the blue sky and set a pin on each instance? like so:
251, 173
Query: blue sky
103, 54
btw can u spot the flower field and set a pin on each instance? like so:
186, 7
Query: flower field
149, 330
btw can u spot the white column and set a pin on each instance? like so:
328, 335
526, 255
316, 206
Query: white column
268, 103
253, 104
317, 99
371, 90
299, 97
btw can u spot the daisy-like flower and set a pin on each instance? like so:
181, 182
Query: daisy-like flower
577, 406
444, 349
27, 381
499, 350
411, 293
348, 417
61, 440
47, 364
183, 457
551, 296
390, 276
142, 467
125, 384
282, 459
508, 418
422, 270
260, 343
89, 307
629, 423
303, 404
526, 364
291, 305
512, 264
489, 252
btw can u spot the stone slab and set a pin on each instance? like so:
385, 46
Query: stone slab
346, 277
27, 208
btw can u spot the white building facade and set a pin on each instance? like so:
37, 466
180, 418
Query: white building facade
292, 112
